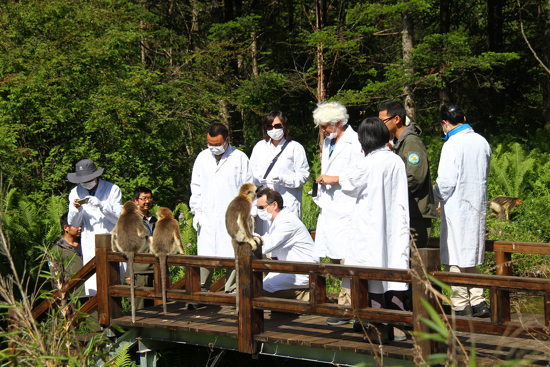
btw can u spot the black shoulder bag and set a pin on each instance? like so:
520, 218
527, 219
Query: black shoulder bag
275, 159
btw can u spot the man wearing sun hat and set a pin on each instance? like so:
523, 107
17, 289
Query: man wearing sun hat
94, 205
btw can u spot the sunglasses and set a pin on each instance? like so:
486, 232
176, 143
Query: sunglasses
276, 126
263, 207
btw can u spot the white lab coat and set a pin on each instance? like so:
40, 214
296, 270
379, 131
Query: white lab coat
291, 168
213, 187
381, 216
290, 239
94, 221
332, 234
461, 187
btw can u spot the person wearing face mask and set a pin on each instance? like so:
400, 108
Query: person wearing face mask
290, 239
218, 173
279, 163
94, 205
341, 151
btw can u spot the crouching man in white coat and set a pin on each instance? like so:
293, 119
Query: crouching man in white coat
218, 173
94, 205
461, 187
289, 240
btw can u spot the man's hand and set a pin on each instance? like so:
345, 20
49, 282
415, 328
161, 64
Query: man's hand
93, 201
76, 204
328, 180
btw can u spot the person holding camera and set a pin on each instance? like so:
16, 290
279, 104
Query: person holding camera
94, 205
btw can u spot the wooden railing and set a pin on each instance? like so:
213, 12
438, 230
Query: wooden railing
252, 302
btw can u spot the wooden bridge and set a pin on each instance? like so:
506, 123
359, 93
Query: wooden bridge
297, 329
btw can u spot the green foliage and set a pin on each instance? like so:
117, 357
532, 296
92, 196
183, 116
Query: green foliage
122, 357
188, 233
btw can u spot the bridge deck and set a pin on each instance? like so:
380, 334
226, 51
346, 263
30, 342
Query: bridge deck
308, 337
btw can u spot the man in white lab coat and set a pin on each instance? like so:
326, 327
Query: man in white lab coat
290, 239
218, 173
341, 151
94, 205
461, 187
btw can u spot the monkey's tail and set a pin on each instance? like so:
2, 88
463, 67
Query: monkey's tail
163, 270
130, 256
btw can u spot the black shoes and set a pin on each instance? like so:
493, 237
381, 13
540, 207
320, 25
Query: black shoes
480, 310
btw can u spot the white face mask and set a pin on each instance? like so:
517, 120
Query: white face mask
264, 215
276, 134
88, 185
334, 133
217, 150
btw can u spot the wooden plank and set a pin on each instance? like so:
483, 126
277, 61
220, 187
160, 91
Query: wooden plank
505, 282
326, 269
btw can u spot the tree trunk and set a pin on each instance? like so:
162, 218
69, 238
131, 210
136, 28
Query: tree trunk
194, 37
321, 92
444, 27
546, 60
494, 24
224, 112
255, 71
444, 16
408, 44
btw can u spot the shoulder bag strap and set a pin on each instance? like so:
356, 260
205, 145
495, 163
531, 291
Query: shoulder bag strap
275, 159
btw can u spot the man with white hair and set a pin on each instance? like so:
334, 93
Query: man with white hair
341, 151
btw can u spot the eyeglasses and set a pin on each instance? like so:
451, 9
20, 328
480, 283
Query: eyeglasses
388, 119
276, 126
264, 206
146, 199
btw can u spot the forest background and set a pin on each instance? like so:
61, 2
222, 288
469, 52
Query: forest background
134, 84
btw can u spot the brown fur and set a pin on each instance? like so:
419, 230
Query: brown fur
240, 224
501, 206
166, 241
130, 236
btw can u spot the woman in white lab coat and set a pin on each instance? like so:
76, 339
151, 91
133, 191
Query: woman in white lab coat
290, 171
381, 217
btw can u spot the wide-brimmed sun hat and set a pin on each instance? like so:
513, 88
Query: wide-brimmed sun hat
85, 171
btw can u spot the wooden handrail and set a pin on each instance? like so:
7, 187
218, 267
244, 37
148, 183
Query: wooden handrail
76, 281
252, 304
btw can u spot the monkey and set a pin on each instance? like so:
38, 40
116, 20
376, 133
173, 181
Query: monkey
166, 241
240, 224
501, 206
130, 236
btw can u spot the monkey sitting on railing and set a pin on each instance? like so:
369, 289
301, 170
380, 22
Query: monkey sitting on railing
501, 206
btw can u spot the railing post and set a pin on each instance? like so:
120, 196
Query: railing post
192, 279
423, 260
107, 274
501, 310
317, 290
250, 286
